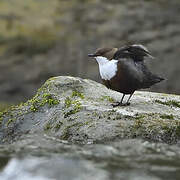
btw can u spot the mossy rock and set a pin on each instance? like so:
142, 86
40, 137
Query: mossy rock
80, 110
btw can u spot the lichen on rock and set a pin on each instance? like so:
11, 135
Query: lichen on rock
80, 110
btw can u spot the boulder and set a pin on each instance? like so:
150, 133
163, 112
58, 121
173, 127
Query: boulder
80, 111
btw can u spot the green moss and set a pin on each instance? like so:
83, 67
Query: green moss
108, 98
167, 116
76, 107
138, 123
66, 130
10, 121
139, 116
6, 112
161, 127
1, 119
68, 102
47, 126
169, 103
37, 102
87, 122
65, 135
49, 99
77, 94
32, 105
1, 114
20, 113
58, 125
177, 129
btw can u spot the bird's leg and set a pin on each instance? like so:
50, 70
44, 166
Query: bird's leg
122, 99
128, 103
119, 103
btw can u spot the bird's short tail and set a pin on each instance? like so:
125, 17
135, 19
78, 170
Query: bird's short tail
152, 79
156, 79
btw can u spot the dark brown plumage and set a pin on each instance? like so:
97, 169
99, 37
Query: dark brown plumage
131, 74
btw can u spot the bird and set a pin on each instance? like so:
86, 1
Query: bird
124, 70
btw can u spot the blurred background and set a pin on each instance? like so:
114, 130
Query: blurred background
40, 39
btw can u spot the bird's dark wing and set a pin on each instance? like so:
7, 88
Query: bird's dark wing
135, 75
149, 78
131, 76
135, 51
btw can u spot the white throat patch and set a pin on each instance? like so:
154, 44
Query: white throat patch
107, 68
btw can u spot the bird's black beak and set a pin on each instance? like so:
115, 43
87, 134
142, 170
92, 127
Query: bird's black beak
91, 55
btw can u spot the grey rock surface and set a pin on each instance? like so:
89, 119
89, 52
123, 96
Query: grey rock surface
80, 110
42, 157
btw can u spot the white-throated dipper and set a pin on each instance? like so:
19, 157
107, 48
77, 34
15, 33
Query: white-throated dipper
123, 69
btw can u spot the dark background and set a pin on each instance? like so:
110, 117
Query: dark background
44, 38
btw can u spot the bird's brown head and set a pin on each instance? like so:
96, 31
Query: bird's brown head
104, 52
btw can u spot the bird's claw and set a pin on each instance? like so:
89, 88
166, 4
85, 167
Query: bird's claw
120, 104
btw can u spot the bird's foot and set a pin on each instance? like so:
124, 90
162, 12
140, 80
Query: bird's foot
127, 104
116, 104
120, 104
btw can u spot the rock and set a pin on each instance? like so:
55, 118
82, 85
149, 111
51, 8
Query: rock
41, 157
42, 39
80, 110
